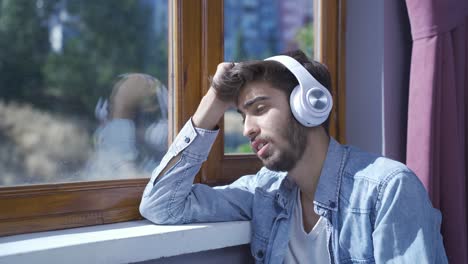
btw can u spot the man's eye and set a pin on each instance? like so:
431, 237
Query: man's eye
260, 109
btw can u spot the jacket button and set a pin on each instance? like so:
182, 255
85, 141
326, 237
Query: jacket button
332, 204
187, 139
260, 254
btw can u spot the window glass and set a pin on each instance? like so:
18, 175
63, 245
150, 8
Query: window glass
256, 29
83, 89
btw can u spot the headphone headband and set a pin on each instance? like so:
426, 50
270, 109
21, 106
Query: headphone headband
303, 76
310, 101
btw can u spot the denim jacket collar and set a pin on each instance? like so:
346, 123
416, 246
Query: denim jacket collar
286, 193
326, 195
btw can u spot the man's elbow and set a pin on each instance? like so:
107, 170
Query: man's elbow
157, 214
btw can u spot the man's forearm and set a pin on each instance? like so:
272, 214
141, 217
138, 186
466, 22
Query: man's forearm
172, 180
209, 111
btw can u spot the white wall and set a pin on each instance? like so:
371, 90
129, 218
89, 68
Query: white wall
230, 255
378, 48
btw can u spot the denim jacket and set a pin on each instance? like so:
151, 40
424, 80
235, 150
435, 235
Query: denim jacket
376, 209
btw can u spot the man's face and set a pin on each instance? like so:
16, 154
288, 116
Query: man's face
275, 136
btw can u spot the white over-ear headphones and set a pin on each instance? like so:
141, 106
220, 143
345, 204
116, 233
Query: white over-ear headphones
156, 134
310, 101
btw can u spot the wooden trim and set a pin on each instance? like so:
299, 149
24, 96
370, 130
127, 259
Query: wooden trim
26, 209
212, 54
235, 166
341, 135
57, 206
186, 69
195, 48
201, 22
221, 168
332, 53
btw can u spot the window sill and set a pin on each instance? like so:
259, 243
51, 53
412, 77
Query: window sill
122, 242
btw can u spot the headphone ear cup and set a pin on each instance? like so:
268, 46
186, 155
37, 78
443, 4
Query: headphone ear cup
295, 103
310, 101
310, 107
156, 135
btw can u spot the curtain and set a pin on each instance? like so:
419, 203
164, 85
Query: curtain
438, 113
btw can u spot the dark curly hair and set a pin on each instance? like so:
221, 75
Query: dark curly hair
234, 80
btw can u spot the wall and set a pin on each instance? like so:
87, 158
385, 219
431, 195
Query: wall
364, 70
397, 60
230, 255
378, 46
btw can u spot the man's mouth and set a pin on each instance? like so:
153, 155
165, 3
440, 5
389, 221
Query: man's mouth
260, 147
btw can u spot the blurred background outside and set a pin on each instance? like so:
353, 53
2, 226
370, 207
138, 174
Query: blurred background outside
258, 29
59, 57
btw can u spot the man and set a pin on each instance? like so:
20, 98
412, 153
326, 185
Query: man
132, 137
315, 201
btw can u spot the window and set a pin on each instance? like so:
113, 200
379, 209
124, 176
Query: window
66, 76
223, 166
195, 47
65, 69
271, 28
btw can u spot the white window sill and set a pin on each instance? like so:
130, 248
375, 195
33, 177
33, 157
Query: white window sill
121, 243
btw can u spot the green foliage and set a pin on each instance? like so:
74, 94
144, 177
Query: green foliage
101, 40
241, 149
112, 39
244, 148
23, 47
305, 39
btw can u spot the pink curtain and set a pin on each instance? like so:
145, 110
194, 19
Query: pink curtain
437, 145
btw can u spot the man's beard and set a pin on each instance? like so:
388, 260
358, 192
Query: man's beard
296, 136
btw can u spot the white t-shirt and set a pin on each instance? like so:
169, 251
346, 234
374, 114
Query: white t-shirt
306, 247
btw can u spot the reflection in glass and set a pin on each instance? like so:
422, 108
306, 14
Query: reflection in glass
132, 137
257, 29
57, 59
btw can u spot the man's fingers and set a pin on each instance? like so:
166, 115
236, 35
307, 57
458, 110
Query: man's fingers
226, 65
222, 68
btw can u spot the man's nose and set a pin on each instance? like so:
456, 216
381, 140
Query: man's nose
251, 128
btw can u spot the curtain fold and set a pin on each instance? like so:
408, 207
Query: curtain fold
437, 145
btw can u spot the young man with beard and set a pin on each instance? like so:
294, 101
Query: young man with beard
315, 201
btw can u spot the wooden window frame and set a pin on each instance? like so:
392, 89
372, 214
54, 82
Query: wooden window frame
221, 168
195, 49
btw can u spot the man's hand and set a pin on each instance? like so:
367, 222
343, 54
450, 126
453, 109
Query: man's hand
212, 108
